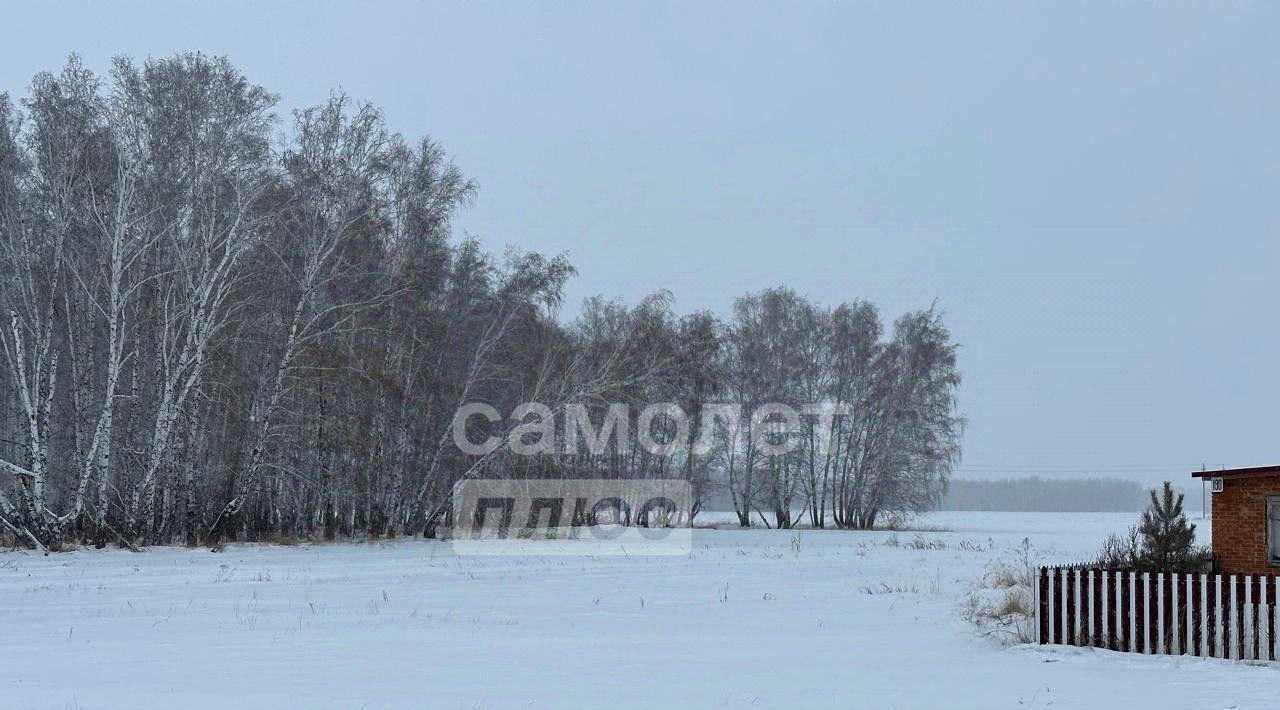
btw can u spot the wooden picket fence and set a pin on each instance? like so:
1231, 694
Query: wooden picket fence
1212, 615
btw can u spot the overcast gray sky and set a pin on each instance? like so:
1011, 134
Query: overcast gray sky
1089, 190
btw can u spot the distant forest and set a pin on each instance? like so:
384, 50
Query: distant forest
1055, 495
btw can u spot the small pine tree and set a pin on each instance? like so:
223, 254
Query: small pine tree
1168, 540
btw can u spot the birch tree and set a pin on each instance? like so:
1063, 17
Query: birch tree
213, 126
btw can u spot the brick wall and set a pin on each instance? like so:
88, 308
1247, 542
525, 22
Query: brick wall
1240, 524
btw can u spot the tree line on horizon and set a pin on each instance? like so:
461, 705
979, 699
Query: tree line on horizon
1050, 495
212, 331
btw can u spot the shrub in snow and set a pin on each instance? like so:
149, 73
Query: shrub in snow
920, 543
1001, 604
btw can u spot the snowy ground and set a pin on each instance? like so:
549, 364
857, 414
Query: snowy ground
748, 620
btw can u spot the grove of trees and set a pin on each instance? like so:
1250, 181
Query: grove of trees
211, 332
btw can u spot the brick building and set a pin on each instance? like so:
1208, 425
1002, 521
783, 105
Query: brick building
1246, 519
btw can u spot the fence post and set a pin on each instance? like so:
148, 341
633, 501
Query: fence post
1261, 652
1250, 621
1059, 607
1198, 614
1108, 620
1272, 631
1160, 646
1267, 648
1096, 590
1042, 606
1215, 631
1126, 611
1118, 614
1086, 603
1082, 599
1231, 628
1069, 593
1140, 611
1238, 616
1184, 612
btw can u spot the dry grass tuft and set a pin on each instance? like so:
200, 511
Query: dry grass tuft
1002, 604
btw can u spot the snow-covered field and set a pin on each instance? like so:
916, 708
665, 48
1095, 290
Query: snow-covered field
750, 619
